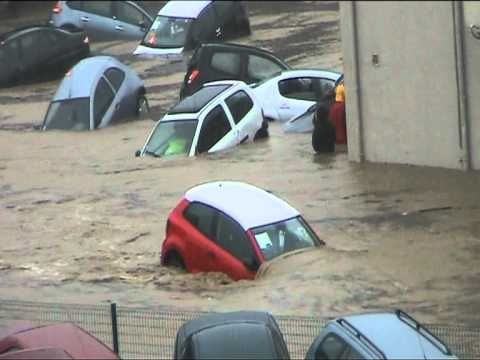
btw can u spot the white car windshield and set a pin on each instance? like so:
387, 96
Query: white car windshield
285, 236
172, 138
167, 32
72, 114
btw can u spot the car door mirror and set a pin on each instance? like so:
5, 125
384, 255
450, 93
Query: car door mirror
142, 25
137, 153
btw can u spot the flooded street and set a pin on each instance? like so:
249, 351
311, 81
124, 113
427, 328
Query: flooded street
82, 220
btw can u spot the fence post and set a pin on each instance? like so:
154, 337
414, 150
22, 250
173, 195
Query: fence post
113, 312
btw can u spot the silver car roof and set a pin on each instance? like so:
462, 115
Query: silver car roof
394, 337
80, 79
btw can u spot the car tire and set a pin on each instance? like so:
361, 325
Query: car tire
142, 107
262, 133
173, 259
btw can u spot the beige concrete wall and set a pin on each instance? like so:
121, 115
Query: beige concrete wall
351, 84
471, 12
408, 103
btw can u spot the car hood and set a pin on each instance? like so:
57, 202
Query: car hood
267, 265
166, 53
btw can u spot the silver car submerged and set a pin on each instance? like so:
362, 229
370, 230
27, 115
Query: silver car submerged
103, 20
95, 93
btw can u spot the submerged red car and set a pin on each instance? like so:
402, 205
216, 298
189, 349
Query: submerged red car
232, 227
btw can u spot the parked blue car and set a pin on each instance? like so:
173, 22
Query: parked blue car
95, 93
103, 20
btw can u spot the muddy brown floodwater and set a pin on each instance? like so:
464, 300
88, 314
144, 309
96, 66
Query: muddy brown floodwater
82, 220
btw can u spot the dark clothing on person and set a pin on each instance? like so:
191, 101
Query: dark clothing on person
323, 136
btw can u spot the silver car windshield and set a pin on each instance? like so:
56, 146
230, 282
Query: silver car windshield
285, 236
72, 114
167, 32
172, 138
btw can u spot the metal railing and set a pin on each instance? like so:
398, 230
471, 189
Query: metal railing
149, 333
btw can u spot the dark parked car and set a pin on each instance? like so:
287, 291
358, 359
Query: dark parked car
37, 53
235, 335
183, 25
224, 61
103, 19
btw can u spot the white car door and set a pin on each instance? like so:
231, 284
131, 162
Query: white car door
246, 117
216, 133
298, 94
268, 96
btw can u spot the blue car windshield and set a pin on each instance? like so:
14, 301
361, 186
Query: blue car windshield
71, 114
284, 236
172, 138
167, 32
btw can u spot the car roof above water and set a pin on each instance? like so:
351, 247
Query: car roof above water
196, 102
79, 80
394, 337
183, 9
247, 204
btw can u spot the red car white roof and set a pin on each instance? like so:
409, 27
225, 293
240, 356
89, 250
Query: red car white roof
247, 204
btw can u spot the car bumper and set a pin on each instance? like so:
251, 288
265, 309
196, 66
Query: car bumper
169, 53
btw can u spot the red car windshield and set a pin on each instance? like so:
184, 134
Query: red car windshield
285, 236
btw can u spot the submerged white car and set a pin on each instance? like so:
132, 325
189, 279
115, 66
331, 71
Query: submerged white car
291, 93
220, 115
183, 25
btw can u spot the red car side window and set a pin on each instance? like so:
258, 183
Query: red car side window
201, 217
231, 237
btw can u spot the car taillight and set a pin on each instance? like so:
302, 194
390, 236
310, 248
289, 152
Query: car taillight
193, 76
57, 9
86, 40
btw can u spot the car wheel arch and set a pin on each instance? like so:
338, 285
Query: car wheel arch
174, 257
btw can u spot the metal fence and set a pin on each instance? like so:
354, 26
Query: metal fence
149, 333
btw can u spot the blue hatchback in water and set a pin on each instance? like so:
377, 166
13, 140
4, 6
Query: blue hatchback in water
97, 92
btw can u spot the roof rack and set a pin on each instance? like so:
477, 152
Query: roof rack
354, 331
414, 324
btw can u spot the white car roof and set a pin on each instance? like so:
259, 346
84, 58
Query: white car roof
183, 9
235, 85
247, 204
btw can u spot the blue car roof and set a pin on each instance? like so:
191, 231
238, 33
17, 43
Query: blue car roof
80, 79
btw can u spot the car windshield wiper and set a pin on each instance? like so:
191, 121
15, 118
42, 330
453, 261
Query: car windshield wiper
151, 153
